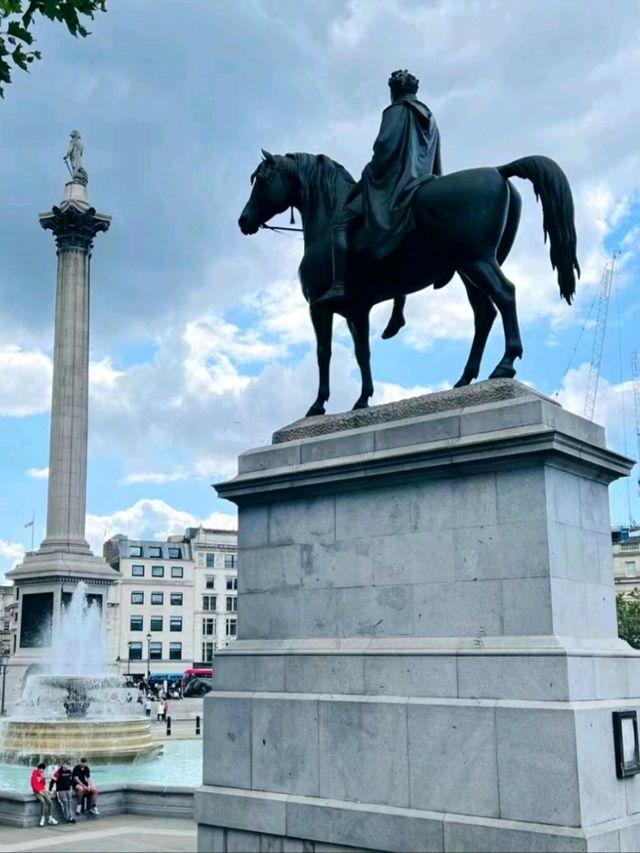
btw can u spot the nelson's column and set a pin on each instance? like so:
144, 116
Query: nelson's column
46, 578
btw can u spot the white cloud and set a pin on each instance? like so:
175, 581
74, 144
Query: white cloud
38, 473
149, 519
156, 477
25, 382
10, 554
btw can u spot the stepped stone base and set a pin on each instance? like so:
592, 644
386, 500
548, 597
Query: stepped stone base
427, 655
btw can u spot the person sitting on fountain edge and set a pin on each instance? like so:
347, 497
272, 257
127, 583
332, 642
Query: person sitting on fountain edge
62, 779
84, 786
38, 786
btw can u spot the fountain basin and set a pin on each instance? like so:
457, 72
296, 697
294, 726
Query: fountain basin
104, 741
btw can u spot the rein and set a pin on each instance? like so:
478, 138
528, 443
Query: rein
280, 228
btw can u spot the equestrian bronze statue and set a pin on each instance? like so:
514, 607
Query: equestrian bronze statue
403, 227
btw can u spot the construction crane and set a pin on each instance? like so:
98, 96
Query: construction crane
635, 372
598, 340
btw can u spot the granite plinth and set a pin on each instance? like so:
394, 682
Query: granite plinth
427, 654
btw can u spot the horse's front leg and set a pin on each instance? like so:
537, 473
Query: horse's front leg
359, 328
322, 319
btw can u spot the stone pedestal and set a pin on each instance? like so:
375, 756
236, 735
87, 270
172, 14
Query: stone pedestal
427, 653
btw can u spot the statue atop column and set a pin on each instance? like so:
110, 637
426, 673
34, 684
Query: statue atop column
73, 159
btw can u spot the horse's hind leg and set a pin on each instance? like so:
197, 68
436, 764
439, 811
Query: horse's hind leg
488, 277
484, 314
359, 328
322, 319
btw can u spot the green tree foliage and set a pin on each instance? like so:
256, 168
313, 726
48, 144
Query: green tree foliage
17, 18
628, 606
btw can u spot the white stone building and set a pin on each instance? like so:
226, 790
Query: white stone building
175, 602
7, 609
626, 558
215, 555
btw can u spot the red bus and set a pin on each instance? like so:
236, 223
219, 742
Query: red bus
197, 673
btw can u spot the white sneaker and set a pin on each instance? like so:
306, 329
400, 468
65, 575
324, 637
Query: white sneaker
94, 810
53, 821
42, 821
78, 809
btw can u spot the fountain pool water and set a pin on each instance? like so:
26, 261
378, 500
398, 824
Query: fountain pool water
77, 708
179, 764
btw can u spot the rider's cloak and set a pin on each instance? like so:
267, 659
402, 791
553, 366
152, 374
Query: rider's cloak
406, 154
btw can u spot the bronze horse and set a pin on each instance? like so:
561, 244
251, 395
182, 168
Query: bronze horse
465, 222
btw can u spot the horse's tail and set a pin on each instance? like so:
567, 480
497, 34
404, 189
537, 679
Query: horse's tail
551, 186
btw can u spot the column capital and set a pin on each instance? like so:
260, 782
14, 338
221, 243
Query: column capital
73, 226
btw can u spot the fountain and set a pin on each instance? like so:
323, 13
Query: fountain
77, 707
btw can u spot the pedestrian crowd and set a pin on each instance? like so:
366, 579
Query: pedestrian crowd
67, 783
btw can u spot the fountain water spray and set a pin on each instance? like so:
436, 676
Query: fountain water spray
77, 707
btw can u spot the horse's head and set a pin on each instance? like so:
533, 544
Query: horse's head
271, 193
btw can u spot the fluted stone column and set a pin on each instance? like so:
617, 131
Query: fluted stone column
74, 224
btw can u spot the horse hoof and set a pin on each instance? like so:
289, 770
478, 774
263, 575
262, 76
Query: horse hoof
361, 404
315, 410
463, 381
503, 373
393, 327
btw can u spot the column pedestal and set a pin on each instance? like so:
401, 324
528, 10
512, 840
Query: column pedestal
428, 655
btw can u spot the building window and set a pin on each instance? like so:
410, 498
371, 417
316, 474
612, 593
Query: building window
231, 561
157, 597
155, 651
137, 571
135, 651
175, 553
135, 623
210, 560
230, 627
209, 602
135, 550
210, 582
208, 627
177, 572
232, 583
138, 598
175, 623
155, 551
630, 568
207, 652
157, 571
232, 602
176, 598
156, 623
175, 651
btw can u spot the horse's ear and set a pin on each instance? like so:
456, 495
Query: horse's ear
268, 157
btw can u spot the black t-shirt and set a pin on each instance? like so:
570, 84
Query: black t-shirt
81, 772
61, 779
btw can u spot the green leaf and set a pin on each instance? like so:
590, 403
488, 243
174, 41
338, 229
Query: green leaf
19, 32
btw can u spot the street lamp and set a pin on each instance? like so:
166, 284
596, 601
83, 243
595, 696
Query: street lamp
129, 660
148, 657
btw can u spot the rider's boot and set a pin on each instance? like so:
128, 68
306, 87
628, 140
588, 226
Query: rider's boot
339, 249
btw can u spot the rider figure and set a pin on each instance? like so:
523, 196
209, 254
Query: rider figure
406, 155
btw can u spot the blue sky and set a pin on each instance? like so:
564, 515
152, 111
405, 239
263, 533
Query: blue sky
201, 345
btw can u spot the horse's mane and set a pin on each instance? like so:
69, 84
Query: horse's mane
320, 178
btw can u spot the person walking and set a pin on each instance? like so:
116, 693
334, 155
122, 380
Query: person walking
83, 785
158, 709
62, 779
165, 711
38, 786
147, 706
